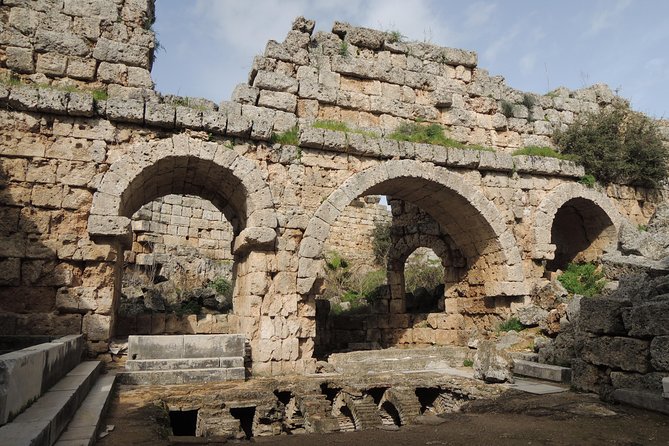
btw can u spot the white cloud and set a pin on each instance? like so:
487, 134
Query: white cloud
479, 14
606, 15
527, 64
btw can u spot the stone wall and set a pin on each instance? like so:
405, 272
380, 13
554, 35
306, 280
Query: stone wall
76, 165
625, 344
92, 44
352, 234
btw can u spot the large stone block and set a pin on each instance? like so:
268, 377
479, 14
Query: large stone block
587, 377
603, 315
649, 319
124, 53
659, 353
618, 353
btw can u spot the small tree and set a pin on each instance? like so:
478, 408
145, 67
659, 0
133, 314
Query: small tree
617, 145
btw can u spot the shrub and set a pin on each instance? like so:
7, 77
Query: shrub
395, 36
346, 283
222, 286
290, 137
381, 243
583, 278
507, 109
542, 151
421, 133
511, 324
468, 363
617, 145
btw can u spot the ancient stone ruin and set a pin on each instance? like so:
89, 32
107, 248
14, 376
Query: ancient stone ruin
120, 206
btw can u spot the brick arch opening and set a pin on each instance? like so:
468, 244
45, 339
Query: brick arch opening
574, 224
187, 166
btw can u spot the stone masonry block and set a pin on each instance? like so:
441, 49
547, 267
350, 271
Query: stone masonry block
125, 110
603, 315
619, 353
648, 319
278, 100
52, 64
161, 115
20, 59
124, 53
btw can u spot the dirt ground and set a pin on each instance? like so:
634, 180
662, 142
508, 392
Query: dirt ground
514, 418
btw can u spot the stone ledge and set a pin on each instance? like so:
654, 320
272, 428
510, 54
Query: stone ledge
186, 376
643, 400
546, 372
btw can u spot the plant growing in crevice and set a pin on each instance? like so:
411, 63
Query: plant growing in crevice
507, 108
548, 152
395, 36
343, 49
510, 324
583, 278
588, 180
381, 242
290, 137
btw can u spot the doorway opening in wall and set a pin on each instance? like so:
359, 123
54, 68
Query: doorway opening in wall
423, 281
183, 422
178, 274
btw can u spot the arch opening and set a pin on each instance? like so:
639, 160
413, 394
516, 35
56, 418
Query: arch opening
431, 208
581, 231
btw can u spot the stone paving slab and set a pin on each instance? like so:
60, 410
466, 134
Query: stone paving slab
186, 363
536, 387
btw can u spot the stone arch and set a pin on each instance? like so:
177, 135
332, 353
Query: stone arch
442, 246
600, 219
185, 165
474, 223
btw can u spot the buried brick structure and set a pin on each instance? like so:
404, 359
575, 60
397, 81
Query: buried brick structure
85, 143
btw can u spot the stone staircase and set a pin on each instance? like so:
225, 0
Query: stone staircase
48, 396
183, 359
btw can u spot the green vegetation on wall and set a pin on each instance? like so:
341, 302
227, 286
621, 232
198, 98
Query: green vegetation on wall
617, 145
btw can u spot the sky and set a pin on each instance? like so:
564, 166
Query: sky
207, 46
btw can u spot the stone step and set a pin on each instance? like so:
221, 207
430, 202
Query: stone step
546, 372
185, 346
83, 429
43, 422
644, 400
183, 376
186, 363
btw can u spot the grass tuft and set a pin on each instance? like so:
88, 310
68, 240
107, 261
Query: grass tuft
542, 151
289, 137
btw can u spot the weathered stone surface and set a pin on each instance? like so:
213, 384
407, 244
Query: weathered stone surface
531, 315
603, 315
117, 52
659, 353
491, 364
619, 353
588, 378
649, 319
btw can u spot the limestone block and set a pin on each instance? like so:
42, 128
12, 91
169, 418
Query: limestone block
188, 117
463, 157
11, 272
114, 73
491, 364
278, 100
495, 161
125, 110
24, 97
52, 64
311, 137
649, 382
48, 196
52, 101
20, 59
108, 225
139, 77
80, 104
238, 125
618, 352
75, 173
334, 140
659, 353
81, 68
48, 41
125, 53
245, 94
96, 327
649, 318
603, 315
76, 299
254, 238
275, 81
161, 115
